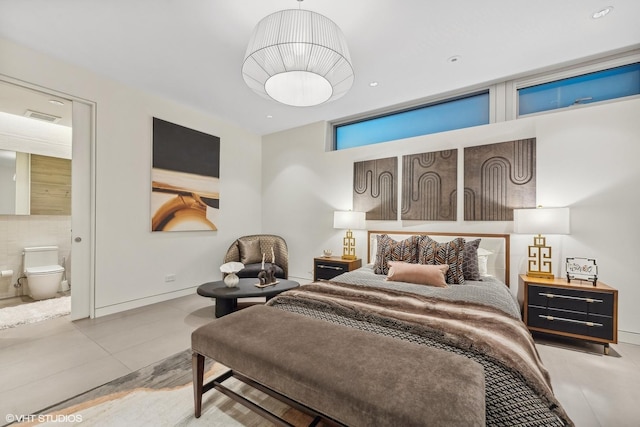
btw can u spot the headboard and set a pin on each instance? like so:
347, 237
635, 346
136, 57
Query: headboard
497, 244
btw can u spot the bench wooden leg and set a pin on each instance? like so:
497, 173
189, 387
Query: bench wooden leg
197, 367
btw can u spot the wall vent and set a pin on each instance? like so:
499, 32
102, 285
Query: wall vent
42, 116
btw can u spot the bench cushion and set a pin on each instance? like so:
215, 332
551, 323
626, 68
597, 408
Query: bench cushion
356, 377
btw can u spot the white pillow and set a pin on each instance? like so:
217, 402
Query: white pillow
483, 259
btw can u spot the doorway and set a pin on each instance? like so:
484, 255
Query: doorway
72, 119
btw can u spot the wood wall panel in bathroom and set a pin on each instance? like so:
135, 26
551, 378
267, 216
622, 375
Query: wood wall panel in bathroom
50, 185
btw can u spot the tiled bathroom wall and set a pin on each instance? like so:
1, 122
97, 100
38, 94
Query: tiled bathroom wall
20, 231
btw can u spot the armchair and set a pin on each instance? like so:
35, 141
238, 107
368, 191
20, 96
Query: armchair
249, 249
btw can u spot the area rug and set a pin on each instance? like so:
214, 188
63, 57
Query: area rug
32, 312
162, 395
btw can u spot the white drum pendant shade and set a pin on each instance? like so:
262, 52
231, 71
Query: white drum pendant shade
299, 58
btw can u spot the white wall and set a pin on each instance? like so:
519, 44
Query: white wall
587, 159
131, 261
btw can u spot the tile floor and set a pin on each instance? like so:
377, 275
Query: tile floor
44, 363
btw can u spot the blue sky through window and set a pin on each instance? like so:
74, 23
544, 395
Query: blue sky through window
441, 117
593, 87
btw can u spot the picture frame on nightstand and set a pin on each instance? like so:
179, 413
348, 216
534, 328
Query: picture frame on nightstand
582, 269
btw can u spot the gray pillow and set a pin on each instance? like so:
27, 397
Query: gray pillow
249, 251
470, 267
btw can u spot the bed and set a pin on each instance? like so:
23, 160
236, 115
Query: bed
475, 317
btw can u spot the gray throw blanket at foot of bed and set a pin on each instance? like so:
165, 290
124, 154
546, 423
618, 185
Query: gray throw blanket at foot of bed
518, 388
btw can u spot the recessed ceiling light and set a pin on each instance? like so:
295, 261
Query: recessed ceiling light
454, 59
269, 116
602, 12
373, 84
56, 102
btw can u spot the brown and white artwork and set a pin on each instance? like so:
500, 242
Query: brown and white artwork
499, 178
429, 186
375, 185
185, 178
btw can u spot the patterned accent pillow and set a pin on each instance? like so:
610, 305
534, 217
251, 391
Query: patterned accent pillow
431, 252
392, 250
470, 267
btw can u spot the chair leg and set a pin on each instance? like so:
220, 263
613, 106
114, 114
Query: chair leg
197, 368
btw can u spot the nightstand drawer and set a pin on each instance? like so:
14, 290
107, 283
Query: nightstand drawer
573, 322
328, 270
571, 299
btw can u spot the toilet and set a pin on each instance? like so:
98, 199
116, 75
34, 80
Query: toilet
42, 270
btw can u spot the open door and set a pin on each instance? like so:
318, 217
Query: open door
82, 209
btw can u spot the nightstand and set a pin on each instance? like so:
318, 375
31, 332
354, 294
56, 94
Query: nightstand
326, 268
576, 310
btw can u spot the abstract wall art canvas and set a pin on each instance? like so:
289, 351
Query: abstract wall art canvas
185, 178
375, 187
429, 186
499, 178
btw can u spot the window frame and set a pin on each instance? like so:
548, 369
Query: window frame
566, 73
488, 90
503, 94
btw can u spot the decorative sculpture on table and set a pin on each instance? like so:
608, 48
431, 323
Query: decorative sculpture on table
267, 276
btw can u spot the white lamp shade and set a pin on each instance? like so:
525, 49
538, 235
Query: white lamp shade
299, 58
541, 221
349, 220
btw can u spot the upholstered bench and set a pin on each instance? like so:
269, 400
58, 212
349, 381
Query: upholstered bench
337, 373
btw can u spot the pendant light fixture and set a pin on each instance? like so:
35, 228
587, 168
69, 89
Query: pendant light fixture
298, 58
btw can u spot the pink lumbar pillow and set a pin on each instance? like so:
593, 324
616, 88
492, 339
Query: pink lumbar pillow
420, 274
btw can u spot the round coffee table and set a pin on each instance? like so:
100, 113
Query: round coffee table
227, 298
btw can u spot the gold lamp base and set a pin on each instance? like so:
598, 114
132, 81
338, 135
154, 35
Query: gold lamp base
540, 259
349, 246
540, 275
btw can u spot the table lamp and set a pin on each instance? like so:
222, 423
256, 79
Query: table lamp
349, 220
541, 221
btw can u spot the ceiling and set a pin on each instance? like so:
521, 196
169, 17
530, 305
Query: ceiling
192, 51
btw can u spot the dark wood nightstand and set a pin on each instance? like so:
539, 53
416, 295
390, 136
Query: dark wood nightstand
326, 268
577, 309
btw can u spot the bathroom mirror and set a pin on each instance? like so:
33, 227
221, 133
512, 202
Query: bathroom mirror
35, 152
33, 184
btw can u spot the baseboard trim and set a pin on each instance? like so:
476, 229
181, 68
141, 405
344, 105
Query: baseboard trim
629, 337
128, 305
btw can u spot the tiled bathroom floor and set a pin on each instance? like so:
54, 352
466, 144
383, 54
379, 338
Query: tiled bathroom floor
46, 362
13, 301
24, 299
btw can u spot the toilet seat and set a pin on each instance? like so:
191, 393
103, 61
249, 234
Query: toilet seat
46, 269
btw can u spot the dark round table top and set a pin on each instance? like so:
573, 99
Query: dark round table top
245, 288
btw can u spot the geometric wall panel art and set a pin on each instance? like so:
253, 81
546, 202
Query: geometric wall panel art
499, 178
185, 179
429, 186
375, 185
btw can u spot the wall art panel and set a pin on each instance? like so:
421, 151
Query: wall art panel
499, 178
185, 179
429, 183
375, 186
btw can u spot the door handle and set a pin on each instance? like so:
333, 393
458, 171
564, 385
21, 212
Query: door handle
78, 239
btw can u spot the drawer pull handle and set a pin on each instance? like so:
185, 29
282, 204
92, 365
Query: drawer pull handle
562, 319
588, 300
329, 267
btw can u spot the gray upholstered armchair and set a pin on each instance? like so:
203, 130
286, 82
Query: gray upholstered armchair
249, 249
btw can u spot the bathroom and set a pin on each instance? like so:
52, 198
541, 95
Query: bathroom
35, 186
